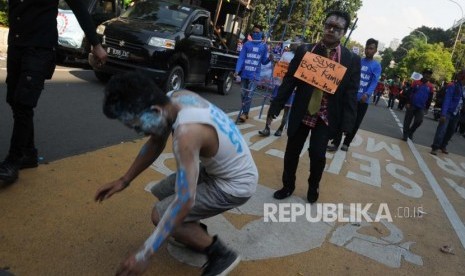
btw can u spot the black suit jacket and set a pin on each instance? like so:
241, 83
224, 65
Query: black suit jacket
342, 105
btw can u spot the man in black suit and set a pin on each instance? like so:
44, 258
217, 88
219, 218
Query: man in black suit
325, 114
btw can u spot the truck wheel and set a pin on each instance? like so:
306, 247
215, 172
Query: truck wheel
101, 76
175, 79
225, 85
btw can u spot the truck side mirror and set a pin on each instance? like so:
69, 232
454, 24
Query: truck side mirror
196, 29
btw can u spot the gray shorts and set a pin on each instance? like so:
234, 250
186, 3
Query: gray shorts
210, 200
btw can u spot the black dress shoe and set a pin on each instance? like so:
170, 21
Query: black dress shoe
278, 132
8, 172
265, 132
312, 195
283, 193
332, 148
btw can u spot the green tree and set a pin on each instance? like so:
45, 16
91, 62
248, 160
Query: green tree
4, 13
299, 22
424, 55
387, 57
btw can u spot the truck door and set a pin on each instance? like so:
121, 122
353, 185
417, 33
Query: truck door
199, 51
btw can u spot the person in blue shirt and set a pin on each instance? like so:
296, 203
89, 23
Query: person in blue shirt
369, 76
450, 114
253, 54
420, 93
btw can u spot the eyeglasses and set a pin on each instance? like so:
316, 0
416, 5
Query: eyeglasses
333, 28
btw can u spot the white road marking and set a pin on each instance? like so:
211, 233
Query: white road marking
454, 219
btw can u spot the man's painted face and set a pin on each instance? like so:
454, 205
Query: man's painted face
147, 122
333, 30
370, 50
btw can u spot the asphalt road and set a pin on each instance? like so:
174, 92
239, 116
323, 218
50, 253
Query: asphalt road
69, 120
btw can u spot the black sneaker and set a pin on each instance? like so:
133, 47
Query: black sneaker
278, 132
8, 172
283, 193
221, 259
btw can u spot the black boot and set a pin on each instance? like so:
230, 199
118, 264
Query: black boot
221, 259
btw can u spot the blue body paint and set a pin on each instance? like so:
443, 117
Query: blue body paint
143, 150
227, 126
183, 196
189, 100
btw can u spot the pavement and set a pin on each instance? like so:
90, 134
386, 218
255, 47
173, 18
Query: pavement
3, 40
51, 226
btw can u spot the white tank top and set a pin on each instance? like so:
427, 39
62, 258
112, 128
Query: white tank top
233, 167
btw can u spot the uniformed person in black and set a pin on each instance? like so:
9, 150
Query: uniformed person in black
31, 58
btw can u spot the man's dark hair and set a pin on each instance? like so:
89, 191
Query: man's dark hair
372, 41
341, 14
258, 27
131, 92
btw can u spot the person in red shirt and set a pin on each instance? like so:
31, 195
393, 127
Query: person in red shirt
394, 91
379, 90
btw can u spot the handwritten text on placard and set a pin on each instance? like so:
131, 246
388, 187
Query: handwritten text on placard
321, 72
280, 69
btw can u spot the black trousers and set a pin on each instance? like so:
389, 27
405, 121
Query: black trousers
391, 101
27, 70
417, 115
317, 153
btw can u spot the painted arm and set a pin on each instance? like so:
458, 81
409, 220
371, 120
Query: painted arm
147, 155
186, 146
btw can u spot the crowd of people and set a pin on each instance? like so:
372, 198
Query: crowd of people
215, 169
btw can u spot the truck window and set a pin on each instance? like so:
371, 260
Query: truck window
105, 6
64, 6
159, 12
202, 20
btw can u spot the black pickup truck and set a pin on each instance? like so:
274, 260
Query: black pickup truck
172, 42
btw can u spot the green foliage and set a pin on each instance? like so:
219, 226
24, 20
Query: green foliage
414, 54
4, 13
428, 55
127, 2
297, 22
